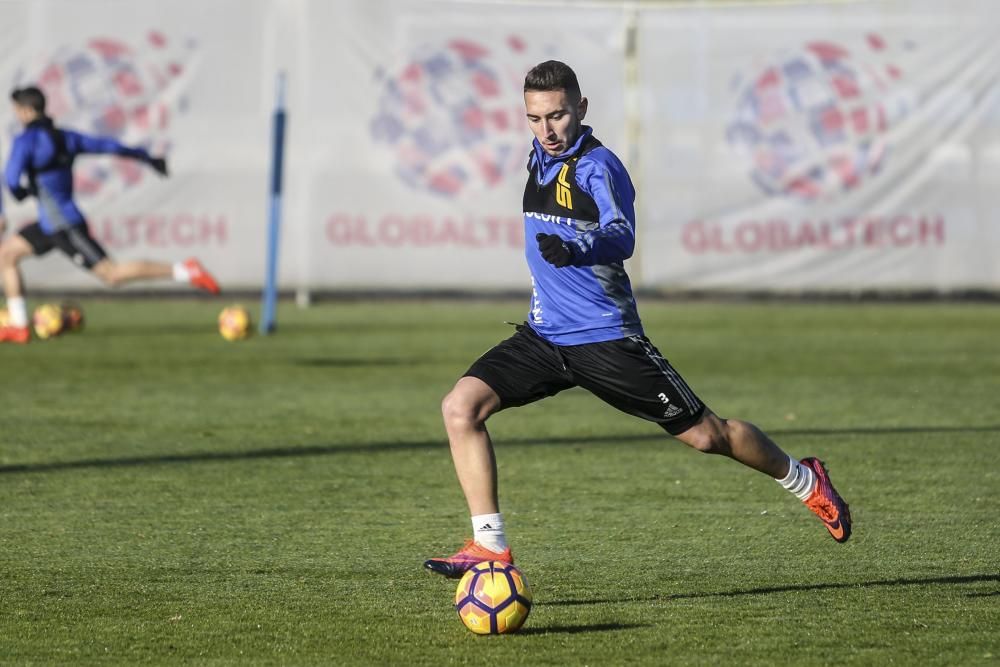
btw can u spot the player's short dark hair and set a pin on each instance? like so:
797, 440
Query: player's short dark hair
553, 75
29, 96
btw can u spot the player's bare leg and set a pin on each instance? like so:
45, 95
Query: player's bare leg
191, 271
465, 410
114, 273
807, 479
738, 440
12, 251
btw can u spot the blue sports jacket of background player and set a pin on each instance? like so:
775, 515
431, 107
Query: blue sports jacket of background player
586, 197
41, 164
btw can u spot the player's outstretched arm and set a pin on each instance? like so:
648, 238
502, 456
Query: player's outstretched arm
85, 143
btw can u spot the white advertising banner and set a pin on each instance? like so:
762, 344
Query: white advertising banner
418, 163
783, 147
822, 147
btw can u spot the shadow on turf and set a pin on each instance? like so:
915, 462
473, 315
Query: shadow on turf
289, 452
348, 362
165, 329
577, 629
327, 450
793, 588
885, 430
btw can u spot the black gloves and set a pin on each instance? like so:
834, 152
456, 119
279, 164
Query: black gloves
21, 193
159, 164
554, 250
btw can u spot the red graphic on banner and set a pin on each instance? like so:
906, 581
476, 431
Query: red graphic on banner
813, 123
451, 115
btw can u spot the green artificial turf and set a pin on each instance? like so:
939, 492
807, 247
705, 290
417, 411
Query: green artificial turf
169, 497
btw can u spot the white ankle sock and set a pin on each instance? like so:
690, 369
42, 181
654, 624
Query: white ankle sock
18, 311
800, 480
488, 531
181, 274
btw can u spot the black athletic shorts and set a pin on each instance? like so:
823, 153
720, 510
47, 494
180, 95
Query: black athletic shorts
629, 374
75, 241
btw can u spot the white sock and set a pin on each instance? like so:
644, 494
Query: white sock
181, 274
18, 311
487, 530
800, 480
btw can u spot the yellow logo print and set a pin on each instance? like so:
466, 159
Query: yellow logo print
563, 196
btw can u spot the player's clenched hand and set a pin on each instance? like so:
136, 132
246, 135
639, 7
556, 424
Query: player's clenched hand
554, 250
159, 164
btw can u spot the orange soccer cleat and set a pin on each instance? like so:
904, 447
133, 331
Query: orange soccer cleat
200, 277
12, 334
469, 555
827, 504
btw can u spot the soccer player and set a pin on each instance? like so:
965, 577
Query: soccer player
41, 165
584, 330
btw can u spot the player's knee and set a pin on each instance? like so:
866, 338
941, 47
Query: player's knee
107, 273
711, 436
8, 255
709, 442
454, 408
459, 409
109, 278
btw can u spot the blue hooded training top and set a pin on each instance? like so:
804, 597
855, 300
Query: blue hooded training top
586, 197
41, 164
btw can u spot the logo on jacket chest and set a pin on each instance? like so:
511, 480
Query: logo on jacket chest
564, 196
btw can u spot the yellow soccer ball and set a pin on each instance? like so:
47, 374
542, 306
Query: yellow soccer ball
47, 321
234, 323
493, 598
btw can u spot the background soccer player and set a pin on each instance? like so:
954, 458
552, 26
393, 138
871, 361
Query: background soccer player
584, 329
41, 165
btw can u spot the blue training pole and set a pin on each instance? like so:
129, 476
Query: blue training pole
268, 321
